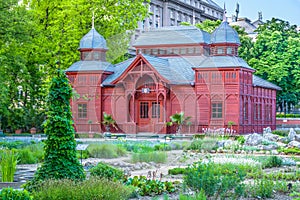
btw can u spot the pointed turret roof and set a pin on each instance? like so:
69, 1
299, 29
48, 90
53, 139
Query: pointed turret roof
93, 40
225, 34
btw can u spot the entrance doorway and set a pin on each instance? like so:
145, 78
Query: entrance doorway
149, 115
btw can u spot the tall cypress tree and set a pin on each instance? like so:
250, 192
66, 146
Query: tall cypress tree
60, 159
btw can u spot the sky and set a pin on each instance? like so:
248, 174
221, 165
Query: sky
287, 10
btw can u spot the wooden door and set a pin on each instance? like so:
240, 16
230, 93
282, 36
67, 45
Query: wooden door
149, 115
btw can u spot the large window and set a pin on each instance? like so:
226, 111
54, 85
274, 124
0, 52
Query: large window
216, 110
155, 110
144, 108
246, 110
82, 110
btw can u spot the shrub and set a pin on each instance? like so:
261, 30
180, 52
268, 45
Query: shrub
84, 154
103, 170
150, 186
272, 161
241, 139
207, 144
10, 193
157, 157
60, 159
177, 170
162, 147
197, 196
9, 161
195, 145
31, 154
262, 187
215, 179
295, 151
105, 151
93, 188
12, 144
280, 133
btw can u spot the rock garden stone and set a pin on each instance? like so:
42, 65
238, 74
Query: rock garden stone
274, 152
267, 130
269, 147
271, 137
253, 139
283, 140
294, 144
292, 134
297, 137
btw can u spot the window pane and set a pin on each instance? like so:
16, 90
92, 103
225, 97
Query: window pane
155, 110
216, 110
82, 111
144, 108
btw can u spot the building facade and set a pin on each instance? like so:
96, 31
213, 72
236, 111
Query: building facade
172, 12
175, 69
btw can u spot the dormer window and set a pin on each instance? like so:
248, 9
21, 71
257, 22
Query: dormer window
220, 50
229, 50
87, 56
96, 55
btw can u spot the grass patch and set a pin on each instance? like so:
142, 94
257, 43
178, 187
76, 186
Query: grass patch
93, 188
157, 157
106, 151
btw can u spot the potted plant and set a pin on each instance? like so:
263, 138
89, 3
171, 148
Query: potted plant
179, 120
108, 121
33, 129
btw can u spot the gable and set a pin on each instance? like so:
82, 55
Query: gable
170, 70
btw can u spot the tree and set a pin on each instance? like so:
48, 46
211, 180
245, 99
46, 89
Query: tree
208, 25
179, 120
62, 23
60, 159
275, 56
21, 81
37, 34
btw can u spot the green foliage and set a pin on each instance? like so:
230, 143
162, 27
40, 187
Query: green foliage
179, 120
215, 179
20, 77
60, 159
262, 188
206, 144
282, 115
140, 147
31, 154
241, 139
9, 160
35, 36
177, 170
294, 151
93, 188
162, 147
280, 133
199, 136
208, 25
275, 56
195, 145
105, 151
108, 121
12, 144
150, 186
272, 161
157, 157
12, 194
197, 196
103, 170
